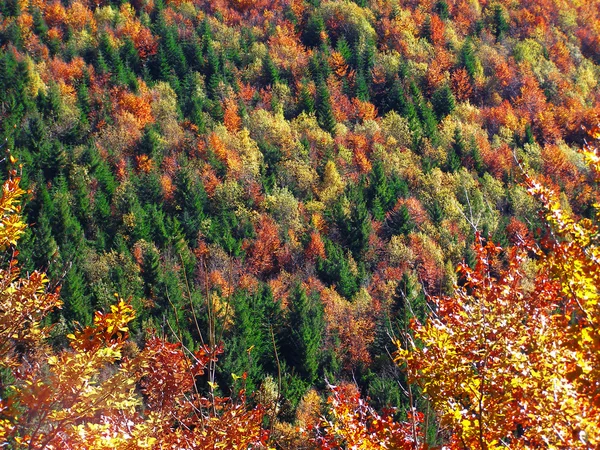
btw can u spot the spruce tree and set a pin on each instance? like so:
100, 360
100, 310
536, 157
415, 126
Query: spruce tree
499, 23
399, 222
270, 71
335, 270
315, 27
77, 305
379, 187
467, 58
307, 325
325, 115
305, 101
443, 102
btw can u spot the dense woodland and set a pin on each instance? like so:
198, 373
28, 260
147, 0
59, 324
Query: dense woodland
259, 205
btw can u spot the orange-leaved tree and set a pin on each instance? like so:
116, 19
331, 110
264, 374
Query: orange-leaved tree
353, 424
512, 358
101, 392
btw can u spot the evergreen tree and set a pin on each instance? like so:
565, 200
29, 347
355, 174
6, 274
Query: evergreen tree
52, 159
467, 58
305, 101
77, 305
335, 270
156, 221
362, 88
443, 102
499, 23
379, 187
426, 29
39, 24
151, 270
315, 27
130, 56
325, 115
45, 249
270, 71
191, 198
174, 54
477, 160
441, 7
436, 212
307, 325
344, 49
399, 222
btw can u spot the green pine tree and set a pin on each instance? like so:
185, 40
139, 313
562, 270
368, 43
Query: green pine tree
306, 331
325, 115
443, 101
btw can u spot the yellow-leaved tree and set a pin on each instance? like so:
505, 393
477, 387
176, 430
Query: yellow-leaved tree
512, 358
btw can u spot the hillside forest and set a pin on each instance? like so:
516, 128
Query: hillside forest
298, 224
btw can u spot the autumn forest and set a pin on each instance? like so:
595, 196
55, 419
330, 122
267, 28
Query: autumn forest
299, 224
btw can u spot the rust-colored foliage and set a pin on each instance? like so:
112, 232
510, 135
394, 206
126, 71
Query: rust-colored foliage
265, 248
231, 118
354, 424
315, 248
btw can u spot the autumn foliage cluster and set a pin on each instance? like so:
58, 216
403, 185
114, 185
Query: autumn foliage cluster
511, 359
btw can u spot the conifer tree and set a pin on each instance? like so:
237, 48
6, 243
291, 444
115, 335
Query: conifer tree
499, 23
443, 102
315, 27
306, 320
325, 115
467, 58
336, 270
77, 304
305, 101
270, 71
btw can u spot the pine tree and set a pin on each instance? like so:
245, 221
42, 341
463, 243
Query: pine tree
467, 58
270, 71
499, 23
443, 102
305, 101
307, 324
325, 115
399, 222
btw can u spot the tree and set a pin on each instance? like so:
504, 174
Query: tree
499, 23
324, 110
306, 320
443, 102
352, 423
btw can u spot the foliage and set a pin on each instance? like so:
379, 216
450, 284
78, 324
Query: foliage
509, 359
85, 396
